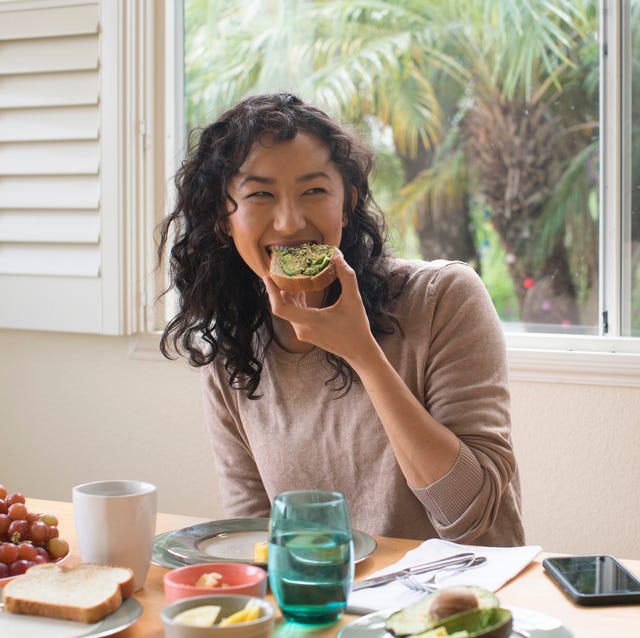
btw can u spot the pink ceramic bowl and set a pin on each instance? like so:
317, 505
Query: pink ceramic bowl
235, 578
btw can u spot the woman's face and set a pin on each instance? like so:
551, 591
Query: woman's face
287, 193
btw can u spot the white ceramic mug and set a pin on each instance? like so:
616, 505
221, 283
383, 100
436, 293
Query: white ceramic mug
115, 524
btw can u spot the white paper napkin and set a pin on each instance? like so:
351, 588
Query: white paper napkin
503, 563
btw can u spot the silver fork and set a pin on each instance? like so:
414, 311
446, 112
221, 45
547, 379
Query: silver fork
431, 584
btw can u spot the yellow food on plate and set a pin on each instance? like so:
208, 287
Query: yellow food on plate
260, 551
207, 615
251, 611
210, 579
203, 616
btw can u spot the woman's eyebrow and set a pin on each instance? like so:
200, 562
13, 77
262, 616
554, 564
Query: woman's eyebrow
271, 180
314, 175
258, 179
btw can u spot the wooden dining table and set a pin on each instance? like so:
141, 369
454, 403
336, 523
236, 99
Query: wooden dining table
531, 589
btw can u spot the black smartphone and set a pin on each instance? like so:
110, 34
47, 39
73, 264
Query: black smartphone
594, 580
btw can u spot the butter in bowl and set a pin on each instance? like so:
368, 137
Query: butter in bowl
218, 616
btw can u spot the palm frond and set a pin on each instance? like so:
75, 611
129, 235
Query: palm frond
566, 206
445, 179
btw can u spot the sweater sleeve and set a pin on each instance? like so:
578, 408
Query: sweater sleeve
466, 389
241, 487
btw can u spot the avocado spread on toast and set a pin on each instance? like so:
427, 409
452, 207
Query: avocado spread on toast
306, 260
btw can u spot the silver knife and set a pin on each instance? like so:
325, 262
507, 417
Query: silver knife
457, 559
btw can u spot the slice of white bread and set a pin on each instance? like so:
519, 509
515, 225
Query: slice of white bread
303, 283
85, 593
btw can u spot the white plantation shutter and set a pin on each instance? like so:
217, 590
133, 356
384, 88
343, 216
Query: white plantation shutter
63, 119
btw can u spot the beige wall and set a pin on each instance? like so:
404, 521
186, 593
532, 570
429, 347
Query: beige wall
579, 453
77, 408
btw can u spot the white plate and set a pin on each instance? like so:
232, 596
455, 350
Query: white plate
21, 626
535, 625
162, 557
231, 540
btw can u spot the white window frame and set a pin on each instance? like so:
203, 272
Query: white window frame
608, 359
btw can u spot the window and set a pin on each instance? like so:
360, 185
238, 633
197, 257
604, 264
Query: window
492, 143
83, 171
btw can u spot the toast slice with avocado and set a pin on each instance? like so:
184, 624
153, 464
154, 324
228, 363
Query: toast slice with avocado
303, 268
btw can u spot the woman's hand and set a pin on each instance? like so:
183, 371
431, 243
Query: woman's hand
425, 449
342, 328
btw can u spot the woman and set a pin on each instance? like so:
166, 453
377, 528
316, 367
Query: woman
389, 386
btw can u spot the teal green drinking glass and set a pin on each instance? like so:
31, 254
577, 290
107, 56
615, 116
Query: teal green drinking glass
310, 555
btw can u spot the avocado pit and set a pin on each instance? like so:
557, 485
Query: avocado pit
453, 601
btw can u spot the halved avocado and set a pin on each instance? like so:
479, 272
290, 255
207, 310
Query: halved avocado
493, 622
417, 617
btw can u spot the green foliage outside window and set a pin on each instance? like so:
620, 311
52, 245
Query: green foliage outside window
484, 117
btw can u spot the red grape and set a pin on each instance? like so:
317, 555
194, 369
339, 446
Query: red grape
39, 533
8, 553
20, 566
42, 552
18, 511
3, 492
27, 551
4, 570
5, 521
15, 497
18, 531
4, 508
53, 532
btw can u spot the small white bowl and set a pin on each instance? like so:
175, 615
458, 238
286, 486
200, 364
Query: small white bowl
261, 627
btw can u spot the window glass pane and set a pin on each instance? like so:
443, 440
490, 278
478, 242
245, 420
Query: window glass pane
634, 199
484, 117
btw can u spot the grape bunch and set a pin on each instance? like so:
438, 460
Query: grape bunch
26, 538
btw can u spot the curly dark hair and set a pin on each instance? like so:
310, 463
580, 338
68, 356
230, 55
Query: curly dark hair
223, 306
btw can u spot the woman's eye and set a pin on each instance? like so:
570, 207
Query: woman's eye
259, 194
315, 190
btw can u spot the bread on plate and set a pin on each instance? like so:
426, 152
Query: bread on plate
84, 593
302, 268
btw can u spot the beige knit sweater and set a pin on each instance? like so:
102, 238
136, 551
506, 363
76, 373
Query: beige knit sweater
451, 354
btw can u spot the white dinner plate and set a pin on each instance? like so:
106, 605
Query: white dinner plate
162, 557
231, 540
22, 626
534, 624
